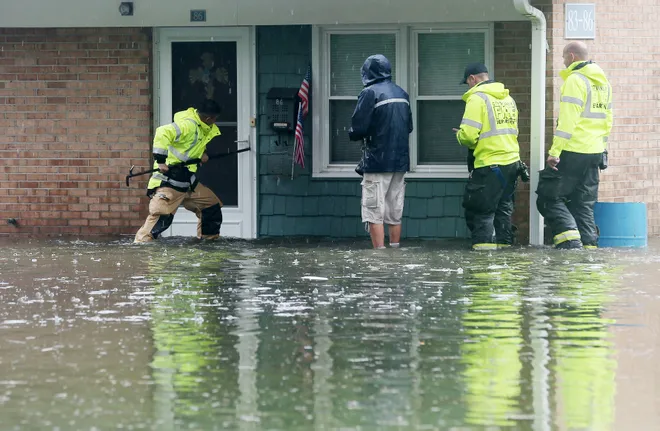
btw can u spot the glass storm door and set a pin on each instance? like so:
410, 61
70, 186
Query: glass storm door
214, 63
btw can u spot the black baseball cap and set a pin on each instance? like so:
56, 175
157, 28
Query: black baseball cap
209, 107
473, 69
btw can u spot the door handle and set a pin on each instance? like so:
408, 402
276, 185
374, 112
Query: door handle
242, 141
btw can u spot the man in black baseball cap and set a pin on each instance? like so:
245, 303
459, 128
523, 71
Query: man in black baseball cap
208, 111
473, 69
175, 182
489, 130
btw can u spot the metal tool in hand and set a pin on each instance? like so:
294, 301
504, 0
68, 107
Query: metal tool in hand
189, 162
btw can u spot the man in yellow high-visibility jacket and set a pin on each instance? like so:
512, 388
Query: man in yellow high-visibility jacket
174, 184
568, 186
489, 129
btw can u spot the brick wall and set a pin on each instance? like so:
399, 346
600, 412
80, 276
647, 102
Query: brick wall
75, 111
513, 68
627, 46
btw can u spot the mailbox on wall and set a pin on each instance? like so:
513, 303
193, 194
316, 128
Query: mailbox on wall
282, 109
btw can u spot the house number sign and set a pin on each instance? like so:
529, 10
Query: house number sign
580, 21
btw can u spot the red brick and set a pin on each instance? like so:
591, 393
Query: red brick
78, 222
628, 52
514, 71
53, 102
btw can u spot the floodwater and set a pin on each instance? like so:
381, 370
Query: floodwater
268, 335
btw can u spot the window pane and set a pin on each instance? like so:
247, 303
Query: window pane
347, 55
342, 150
436, 142
442, 59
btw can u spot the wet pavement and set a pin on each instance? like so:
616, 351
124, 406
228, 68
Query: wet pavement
274, 335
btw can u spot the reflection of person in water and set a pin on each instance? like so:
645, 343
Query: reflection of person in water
581, 367
584, 367
491, 355
193, 352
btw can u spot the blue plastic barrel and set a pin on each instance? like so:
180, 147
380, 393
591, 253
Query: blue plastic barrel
621, 224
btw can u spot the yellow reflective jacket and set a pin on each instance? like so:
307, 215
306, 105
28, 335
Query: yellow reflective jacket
183, 140
585, 110
490, 125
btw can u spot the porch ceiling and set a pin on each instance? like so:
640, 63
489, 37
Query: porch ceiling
163, 13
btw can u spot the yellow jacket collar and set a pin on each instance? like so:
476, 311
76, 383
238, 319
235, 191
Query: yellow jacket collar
192, 114
569, 70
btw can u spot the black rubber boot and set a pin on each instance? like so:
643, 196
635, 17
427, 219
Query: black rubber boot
569, 245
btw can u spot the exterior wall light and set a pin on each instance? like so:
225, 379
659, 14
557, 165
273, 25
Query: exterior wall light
126, 8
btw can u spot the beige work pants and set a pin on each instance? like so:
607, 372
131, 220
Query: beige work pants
166, 201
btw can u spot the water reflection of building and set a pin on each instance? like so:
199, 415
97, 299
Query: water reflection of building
74, 348
504, 346
223, 361
637, 344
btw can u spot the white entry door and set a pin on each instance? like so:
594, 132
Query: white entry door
218, 64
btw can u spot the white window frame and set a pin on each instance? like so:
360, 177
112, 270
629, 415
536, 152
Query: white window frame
406, 77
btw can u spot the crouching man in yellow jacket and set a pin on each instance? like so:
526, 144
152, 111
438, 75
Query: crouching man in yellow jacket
568, 186
489, 129
174, 184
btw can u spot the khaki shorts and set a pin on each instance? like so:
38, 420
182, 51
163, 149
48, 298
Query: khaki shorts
382, 197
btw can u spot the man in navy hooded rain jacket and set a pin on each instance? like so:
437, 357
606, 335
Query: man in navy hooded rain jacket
383, 121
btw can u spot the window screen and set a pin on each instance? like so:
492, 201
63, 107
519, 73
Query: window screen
347, 55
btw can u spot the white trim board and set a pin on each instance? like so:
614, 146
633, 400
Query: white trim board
241, 220
406, 52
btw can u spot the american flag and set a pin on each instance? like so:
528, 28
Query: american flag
303, 109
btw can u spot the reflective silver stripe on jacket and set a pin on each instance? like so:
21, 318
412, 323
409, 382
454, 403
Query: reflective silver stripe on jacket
181, 184
184, 156
574, 100
388, 101
161, 151
181, 156
472, 123
178, 132
494, 131
587, 113
565, 135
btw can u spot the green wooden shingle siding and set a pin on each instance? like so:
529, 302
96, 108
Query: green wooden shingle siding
320, 207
